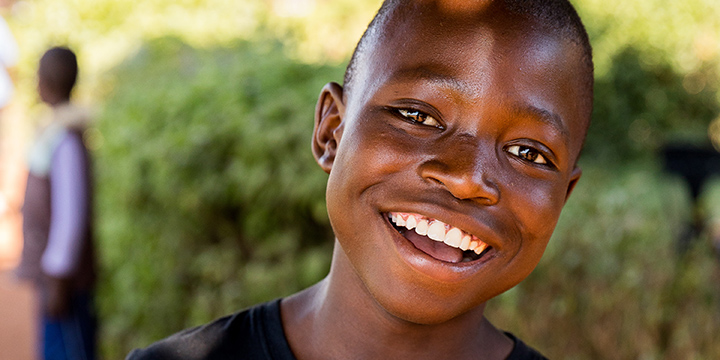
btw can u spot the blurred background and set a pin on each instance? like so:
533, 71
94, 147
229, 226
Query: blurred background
208, 199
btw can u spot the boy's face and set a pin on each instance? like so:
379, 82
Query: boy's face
473, 121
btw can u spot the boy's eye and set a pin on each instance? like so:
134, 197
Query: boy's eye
527, 153
419, 117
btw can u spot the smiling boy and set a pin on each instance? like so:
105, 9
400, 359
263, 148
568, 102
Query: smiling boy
451, 150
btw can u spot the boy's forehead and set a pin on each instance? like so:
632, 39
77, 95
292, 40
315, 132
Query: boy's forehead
453, 31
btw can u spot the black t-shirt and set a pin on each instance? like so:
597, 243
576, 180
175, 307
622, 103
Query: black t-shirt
255, 333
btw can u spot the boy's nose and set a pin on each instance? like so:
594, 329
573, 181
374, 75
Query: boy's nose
465, 174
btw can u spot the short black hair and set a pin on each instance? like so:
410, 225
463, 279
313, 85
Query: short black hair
380, 18
558, 15
58, 70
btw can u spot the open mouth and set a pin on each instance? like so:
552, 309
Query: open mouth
437, 239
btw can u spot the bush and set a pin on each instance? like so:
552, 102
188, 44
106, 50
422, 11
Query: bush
641, 106
209, 199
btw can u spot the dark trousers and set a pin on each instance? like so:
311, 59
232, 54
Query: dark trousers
72, 337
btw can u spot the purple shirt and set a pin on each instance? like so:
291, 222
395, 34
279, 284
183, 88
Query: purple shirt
69, 195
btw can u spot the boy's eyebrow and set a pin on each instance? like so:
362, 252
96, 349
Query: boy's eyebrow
544, 116
437, 74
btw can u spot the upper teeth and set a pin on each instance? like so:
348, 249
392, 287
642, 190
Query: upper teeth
439, 231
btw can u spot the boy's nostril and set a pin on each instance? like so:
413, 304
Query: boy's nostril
462, 184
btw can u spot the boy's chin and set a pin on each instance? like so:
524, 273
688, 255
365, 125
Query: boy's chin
413, 306
420, 313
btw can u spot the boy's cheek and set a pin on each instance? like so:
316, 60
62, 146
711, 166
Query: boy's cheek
382, 150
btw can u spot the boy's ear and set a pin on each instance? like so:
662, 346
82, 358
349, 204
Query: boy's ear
329, 114
574, 177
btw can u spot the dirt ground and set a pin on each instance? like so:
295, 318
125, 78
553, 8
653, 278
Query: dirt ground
17, 319
17, 299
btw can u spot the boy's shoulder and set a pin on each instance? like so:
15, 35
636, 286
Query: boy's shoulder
256, 333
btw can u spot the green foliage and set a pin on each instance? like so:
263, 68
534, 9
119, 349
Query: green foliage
657, 67
641, 105
208, 196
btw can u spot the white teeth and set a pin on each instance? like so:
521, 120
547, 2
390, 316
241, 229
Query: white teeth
436, 231
480, 248
422, 227
411, 222
454, 237
473, 244
465, 242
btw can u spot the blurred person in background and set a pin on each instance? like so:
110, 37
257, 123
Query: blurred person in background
57, 217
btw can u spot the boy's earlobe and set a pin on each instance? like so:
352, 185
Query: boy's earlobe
329, 114
574, 177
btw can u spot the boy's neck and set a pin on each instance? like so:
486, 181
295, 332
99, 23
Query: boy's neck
338, 318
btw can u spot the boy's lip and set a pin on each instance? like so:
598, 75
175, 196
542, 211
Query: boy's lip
437, 269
